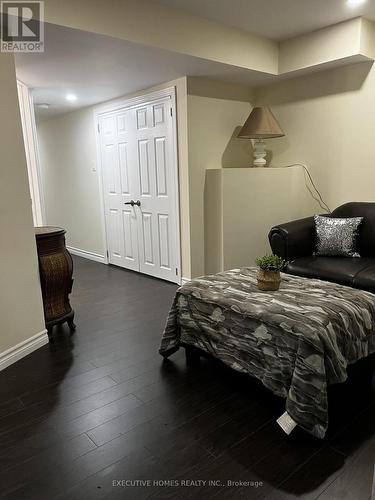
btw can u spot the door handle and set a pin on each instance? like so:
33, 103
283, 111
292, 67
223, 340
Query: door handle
132, 203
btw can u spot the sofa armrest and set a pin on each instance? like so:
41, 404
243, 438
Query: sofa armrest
293, 239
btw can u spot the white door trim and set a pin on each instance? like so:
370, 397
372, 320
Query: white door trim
134, 101
117, 105
30, 138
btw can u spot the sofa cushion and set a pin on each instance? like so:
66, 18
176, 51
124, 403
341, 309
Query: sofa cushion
340, 270
337, 237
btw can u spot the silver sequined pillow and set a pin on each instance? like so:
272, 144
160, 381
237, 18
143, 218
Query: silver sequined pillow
337, 236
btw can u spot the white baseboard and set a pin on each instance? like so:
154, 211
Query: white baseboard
185, 280
87, 255
22, 349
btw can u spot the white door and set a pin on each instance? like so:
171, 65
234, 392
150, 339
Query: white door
119, 185
140, 188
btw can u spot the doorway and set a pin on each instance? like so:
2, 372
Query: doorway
137, 154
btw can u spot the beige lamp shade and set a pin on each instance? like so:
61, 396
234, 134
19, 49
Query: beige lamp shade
261, 124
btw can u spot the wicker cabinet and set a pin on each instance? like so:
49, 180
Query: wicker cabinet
56, 271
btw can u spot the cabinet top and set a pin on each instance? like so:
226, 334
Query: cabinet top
41, 231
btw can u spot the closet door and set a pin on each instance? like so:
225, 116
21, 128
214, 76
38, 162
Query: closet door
119, 187
157, 222
140, 188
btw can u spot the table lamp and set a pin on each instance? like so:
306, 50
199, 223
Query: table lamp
260, 125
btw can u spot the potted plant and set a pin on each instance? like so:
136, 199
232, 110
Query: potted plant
269, 272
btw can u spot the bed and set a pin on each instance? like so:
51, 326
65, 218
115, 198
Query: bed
296, 341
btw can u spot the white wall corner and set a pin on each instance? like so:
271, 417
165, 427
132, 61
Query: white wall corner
87, 255
22, 349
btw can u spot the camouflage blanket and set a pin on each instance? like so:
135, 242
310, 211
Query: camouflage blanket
296, 341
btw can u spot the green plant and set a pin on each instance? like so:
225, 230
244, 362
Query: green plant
271, 263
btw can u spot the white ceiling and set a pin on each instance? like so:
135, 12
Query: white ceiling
275, 19
97, 68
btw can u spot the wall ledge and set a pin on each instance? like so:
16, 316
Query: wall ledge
22, 349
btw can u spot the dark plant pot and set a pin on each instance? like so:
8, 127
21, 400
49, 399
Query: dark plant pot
268, 280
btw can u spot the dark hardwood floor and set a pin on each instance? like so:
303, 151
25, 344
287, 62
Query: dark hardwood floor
100, 406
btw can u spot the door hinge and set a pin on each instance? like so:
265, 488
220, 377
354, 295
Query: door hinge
98, 128
176, 271
107, 254
171, 111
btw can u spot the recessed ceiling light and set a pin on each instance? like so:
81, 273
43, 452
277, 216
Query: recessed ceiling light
71, 97
354, 3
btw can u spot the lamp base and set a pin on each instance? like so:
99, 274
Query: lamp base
259, 153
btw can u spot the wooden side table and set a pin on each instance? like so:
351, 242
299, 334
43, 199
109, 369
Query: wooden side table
56, 271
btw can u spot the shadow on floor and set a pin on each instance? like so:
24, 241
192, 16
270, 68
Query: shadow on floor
298, 465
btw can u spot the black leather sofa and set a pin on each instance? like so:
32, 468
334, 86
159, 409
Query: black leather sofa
294, 242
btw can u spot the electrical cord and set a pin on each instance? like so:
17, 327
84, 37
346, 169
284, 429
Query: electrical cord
323, 205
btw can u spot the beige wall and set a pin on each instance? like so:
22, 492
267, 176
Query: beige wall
216, 111
71, 190
68, 155
329, 121
21, 309
242, 204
